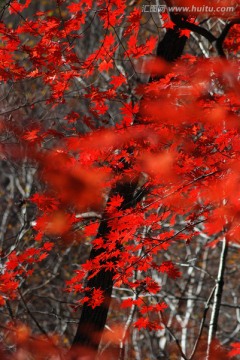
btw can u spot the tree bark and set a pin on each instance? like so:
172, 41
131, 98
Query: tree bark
92, 321
217, 299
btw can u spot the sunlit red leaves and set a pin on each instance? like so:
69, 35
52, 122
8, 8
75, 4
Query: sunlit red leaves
117, 80
9, 68
30, 345
75, 185
74, 23
130, 302
137, 51
19, 266
232, 42
97, 298
56, 223
103, 141
134, 21
223, 195
167, 22
143, 308
111, 13
22, 334
76, 282
16, 6
235, 350
182, 141
48, 245
129, 111
170, 269
153, 66
29, 256
160, 165
91, 229
108, 42
185, 32
114, 203
75, 7
94, 299
80, 5
113, 334
148, 285
179, 110
146, 323
153, 308
72, 117
8, 287
185, 90
106, 65
33, 136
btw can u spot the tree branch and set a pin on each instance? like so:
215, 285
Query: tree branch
217, 297
182, 23
222, 37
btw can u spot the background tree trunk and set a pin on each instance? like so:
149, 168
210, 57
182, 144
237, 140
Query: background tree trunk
92, 321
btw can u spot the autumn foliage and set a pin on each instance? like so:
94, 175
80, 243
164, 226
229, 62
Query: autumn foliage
130, 167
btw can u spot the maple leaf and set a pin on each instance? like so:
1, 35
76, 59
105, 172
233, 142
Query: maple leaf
45, 202
127, 303
74, 7
132, 43
2, 301
145, 323
109, 40
235, 349
12, 264
97, 298
72, 117
105, 65
169, 268
152, 286
32, 136
117, 81
43, 256
48, 246
98, 243
180, 132
134, 21
153, 308
34, 73
91, 229
185, 32
16, 6
168, 24
114, 203
141, 323
150, 45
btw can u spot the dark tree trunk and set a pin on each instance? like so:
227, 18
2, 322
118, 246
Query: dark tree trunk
92, 321
172, 45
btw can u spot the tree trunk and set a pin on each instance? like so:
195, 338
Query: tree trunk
92, 321
217, 299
